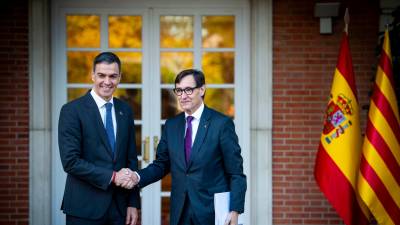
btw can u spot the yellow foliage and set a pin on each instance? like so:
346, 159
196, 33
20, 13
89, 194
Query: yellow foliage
79, 66
218, 67
83, 31
176, 31
218, 31
172, 63
125, 31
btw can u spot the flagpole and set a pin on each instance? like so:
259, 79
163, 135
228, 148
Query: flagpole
346, 21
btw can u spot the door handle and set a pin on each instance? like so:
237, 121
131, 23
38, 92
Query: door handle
155, 144
146, 154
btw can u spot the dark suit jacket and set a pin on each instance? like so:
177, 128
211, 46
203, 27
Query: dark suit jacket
215, 165
87, 158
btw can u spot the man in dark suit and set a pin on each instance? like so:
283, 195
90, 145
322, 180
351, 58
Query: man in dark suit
200, 148
96, 138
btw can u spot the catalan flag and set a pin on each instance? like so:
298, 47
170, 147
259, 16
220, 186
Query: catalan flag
338, 157
379, 182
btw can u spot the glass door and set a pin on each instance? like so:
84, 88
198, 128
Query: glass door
193, 40
154, 45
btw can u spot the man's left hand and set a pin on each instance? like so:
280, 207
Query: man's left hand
131, 216
232, 218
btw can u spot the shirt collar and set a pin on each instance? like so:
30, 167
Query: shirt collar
100, 102
197, 113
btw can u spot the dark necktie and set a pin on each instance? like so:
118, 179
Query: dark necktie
110, 127
188, 138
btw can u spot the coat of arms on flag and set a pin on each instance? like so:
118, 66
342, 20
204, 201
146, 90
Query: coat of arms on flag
336, 120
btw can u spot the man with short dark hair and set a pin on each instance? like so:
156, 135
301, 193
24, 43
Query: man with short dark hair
96, 138
200, 148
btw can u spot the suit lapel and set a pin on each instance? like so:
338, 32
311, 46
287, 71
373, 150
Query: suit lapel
120, 116
180, 128
99, 125
201, 134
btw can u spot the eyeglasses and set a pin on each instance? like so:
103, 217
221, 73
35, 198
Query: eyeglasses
188, 90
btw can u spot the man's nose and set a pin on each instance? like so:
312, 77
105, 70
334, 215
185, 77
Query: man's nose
107, 80
184, 95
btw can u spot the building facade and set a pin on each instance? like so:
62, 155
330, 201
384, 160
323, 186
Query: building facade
275, 81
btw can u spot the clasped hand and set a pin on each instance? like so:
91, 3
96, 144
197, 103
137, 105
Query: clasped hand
126, 178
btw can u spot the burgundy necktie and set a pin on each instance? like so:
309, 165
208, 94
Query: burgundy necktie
188, 138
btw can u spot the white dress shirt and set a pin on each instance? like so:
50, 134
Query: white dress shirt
101, 104
195, 122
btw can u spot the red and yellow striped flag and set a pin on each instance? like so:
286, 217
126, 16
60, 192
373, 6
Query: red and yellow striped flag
379, 180
338, 157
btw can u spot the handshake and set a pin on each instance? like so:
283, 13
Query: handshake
125, 178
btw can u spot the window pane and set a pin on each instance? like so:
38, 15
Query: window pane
218, 67
134, 99
74, 93
221, 100
165, 210
83, 31
125, 31
172, 63
79, 66
169, 104
131, 64
166, 183
218, 31
176, 31
138, 139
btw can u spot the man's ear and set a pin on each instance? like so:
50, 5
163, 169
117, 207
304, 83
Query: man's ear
203, 90
120, 76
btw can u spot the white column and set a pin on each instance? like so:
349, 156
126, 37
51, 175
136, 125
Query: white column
261, 112
39, 113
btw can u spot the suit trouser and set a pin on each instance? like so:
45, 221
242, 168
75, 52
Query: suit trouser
113, 216
187, 216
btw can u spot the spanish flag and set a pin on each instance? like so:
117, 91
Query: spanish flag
379, 180
338, 157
